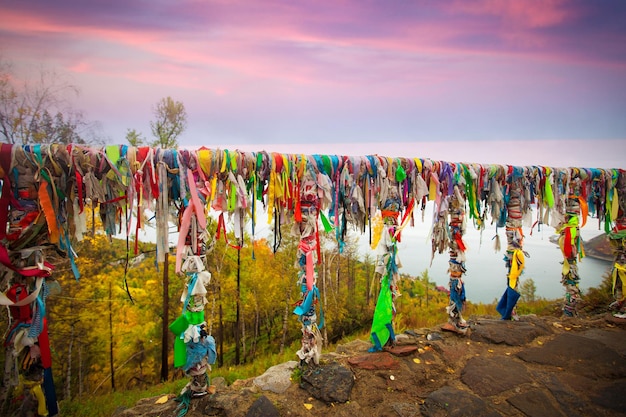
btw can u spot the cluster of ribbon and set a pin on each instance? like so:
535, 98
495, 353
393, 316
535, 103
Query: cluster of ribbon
45, 189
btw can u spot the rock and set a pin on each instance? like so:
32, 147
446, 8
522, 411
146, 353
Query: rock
451, 402
578, 354
149, 407
535, 404
228, 403
611, 397
434, 336
491, 376
218, 382
118, 411
571, 403
277, 378
405, 409
512, 333
402, 350
262, 407
372, 361
356, 346
406, 338
614, 339
332, 383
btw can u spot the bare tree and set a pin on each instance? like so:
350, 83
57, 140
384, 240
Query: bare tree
170, 122
39, 110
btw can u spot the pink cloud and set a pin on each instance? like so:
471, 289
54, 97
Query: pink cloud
528, 13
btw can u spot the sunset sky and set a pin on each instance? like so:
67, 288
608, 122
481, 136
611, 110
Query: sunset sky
495, 81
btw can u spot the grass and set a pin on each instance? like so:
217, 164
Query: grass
106, 405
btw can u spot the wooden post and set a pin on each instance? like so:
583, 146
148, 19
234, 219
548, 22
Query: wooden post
165, 324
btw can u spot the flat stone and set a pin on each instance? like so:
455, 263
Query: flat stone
332, 383
277, 378
579, 355
535, 403
373, 361
612, 397
511, 333
491, 376
407, 338
614, 339
149, 407
262, 407
452, 402
218, 382
572, 404
355, 346
402, 350
405, 409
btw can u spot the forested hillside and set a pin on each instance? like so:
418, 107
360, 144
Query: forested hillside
106, 327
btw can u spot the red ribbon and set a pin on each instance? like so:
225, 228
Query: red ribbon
221, 225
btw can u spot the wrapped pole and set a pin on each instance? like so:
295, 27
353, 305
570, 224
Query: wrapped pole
194, 347
387, 264
306, 260
572, 249
456, 263
514, 257
617, 238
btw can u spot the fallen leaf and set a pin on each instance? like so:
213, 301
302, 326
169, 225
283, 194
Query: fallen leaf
162, 400
568, 328
392, 377
490, 350
539, 342
308, 406
420, 350
416, 360
508, 353
555, 324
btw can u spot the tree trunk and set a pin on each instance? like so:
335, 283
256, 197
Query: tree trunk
257, 327
285, 319
324, 274
243, 339
68, 378
220, 361
238, 322
80, 370
426, 291
111, 337
164, 323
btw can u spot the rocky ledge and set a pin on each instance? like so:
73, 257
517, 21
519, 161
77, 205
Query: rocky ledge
535, 367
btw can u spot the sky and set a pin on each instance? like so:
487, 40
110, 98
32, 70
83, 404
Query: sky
534, 82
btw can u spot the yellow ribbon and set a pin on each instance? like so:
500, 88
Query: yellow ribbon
619, 271
517, 266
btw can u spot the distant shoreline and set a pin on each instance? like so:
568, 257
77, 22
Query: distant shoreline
597, 248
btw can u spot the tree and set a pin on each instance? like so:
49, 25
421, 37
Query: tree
171, 121
40, 110
134, 138
528, 290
